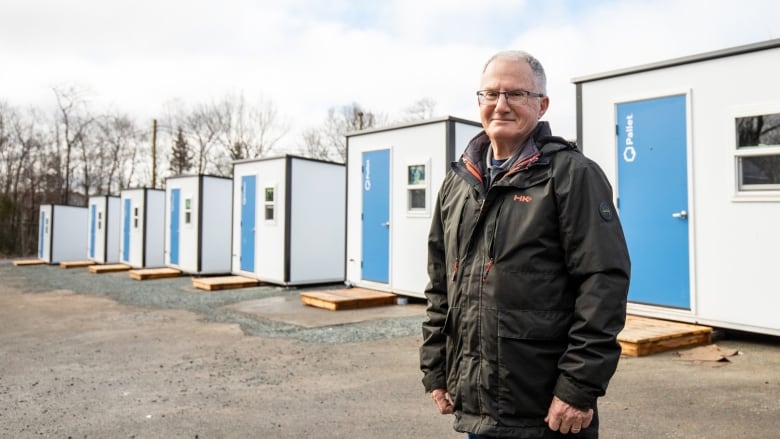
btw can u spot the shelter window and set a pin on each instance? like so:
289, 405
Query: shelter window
135, 217
757, 156
417, 188
188, 211
269, 204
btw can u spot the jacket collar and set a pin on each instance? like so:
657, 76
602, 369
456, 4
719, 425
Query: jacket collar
475, 154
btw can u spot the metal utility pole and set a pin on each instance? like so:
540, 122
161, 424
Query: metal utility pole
154, 153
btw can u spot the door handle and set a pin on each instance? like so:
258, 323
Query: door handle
386, 224
681, 214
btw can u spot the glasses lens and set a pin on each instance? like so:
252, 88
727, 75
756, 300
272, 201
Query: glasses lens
515, 98
512, 97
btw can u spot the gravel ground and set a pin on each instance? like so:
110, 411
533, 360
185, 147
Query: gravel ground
178, 293
105, 356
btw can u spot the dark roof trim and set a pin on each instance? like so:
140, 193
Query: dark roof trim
414, 124
707, 56
173, 177
285, 157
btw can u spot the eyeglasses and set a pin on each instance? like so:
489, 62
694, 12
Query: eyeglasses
514, 97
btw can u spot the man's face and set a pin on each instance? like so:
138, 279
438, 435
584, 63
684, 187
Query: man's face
510, 124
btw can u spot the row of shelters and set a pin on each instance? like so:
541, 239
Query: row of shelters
691, 146
281, 220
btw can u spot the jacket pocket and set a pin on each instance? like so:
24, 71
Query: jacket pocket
523, 324
530, 344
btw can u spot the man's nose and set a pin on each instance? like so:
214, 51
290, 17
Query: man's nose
505, 104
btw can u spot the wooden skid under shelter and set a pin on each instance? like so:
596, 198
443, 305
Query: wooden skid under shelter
349, 298
108, 268
154, 273
28, 262
76, 264
223, 282
644, 336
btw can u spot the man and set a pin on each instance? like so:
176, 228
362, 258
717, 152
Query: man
529, 273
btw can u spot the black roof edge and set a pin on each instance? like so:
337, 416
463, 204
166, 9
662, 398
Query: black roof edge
173, 177
413, 124
284, 157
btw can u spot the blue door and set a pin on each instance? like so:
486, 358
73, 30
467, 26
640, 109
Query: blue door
376, 215
92, 231
175, 225
247, 260
41, 234
126, 234
653, 199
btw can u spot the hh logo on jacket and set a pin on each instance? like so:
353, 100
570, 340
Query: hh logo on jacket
523, 198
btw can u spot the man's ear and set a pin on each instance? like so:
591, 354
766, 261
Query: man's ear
544, 103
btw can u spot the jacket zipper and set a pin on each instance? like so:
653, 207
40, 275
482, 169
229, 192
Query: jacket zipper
487, 270
455, 269
491, 245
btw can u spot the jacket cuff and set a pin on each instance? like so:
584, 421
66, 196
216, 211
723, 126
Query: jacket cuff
568, 391
433, 381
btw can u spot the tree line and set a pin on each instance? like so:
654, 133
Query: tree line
69, 152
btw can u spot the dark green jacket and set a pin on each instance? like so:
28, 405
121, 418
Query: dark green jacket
528, 284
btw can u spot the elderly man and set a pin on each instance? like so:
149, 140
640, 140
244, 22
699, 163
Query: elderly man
529, 273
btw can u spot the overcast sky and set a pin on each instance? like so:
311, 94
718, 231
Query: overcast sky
306, 56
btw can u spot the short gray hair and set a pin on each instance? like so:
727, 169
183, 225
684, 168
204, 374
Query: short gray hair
519, 55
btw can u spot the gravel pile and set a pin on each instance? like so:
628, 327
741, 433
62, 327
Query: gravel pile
178, 293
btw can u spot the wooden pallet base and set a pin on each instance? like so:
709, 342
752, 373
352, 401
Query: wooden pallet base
223, 282
350, 298
28, 262
108, 268
644, 336
76, 264
154, 273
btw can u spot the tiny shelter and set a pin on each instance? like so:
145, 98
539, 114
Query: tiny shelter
197, 223
142, 229
62, 233
288, 220
393, 177
692, 148
104, 220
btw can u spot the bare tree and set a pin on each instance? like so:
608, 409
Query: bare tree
203, 125
329, 142
246, 131
267, 128
314, 146
229, 129
420, 110
120, 140
72, 124
21, 144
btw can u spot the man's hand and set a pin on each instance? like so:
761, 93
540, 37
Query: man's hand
442, 400
565, 418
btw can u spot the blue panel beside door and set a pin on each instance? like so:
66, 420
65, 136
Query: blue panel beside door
376, 215
248, 192
42, 234
175, 193
126, 237
92, 231
653, 199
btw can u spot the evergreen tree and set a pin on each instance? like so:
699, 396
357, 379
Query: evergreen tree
181, 156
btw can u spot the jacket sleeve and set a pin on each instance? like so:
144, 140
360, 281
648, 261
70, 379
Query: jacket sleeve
433, 350
599, 268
